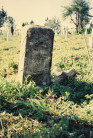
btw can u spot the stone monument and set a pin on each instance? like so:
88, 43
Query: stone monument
86, 31
36, 55
66, 36
0, 32
5, 30
9, 34
64, 31
72, 30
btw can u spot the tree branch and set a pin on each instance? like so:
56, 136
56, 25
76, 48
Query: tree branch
89, 15
72, 20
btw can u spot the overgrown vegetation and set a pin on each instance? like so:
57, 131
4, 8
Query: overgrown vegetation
60, 110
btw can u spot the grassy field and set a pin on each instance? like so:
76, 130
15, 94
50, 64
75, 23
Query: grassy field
59, 110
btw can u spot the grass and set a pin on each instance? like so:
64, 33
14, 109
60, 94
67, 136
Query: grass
9, 53
59, 110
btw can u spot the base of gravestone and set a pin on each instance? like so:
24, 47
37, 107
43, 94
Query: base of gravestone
40, 79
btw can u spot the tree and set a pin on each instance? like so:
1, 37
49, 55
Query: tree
24, 24
53, 23
3, 16
78, 12
31, 22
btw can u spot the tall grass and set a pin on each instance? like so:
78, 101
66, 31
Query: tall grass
59, 110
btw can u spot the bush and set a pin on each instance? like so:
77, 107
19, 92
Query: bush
13, 67
89, 30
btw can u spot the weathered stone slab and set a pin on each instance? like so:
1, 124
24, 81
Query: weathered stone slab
91, 40
9, 34
36, 55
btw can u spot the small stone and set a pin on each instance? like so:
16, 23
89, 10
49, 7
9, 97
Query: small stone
56, 71
71, 72
63, 76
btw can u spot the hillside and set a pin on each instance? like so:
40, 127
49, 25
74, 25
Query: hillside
61, 110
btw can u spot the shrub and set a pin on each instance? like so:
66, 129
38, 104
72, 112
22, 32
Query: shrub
13, 67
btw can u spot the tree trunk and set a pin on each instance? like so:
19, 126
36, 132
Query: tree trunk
81, 24
77, 29
76, 22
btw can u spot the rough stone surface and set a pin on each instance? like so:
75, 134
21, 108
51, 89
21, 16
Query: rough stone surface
56, 71
61, 77
36, 55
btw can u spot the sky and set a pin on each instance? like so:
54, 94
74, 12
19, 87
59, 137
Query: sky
36, 10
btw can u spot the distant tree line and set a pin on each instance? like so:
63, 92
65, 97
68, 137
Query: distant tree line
4, 18
53, 23
78, 12
26, 23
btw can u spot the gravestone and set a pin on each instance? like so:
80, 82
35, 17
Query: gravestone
72, 30
64, 31
0, 32
9, 34
66, 36
86, 31
5, 30
36, 55
14, 32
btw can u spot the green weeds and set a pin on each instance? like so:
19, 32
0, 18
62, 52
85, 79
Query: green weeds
60, 110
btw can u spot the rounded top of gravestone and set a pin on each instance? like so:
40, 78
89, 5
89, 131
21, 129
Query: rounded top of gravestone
39, 27
31, 30
35, 26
